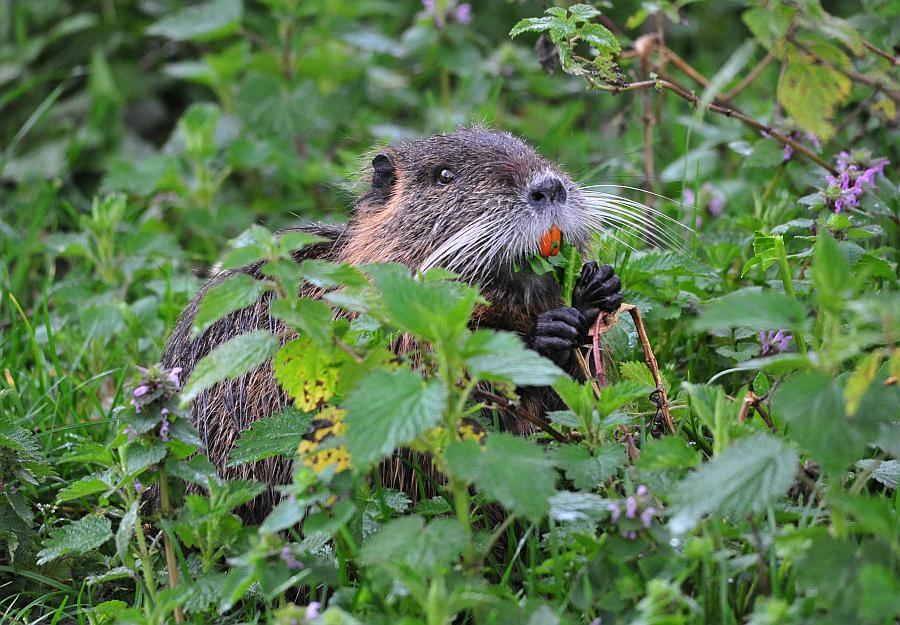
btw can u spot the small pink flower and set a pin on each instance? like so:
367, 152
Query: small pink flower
647, 516
138, 487
631, 507
312, 610
614, 511
292, 563
164, 430
141, 390
173, 376
642, 490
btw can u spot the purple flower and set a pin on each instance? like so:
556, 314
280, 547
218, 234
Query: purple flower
630, 534
614, 511
773, 342
164, 430
631, 507
137, 406
788, 151
856, 171
463, 13
716, 205
130, 431
312, 610
647, 516
642, 490
141, 390
689, 197
138, 487
294, 564
173, 376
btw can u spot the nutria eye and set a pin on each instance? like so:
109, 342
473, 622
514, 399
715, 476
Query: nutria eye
446, 176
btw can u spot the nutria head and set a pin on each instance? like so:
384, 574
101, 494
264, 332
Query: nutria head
476, 202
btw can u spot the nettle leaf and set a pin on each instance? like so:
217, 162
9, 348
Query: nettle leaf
588, 471
583, 12
125, 532
579, 396
810, 91
751, 308
288, 513
236, 292
311, 317
511, 470
201, 22
670, 452
830, 274
770, 23
886, 472
276, 435
324, 274
741, 480
411, 543
307, 373
531, 25
86, 486
139, 456
229, 360
502, 355
812, 405
765, 252
601, 38
616, 395
389, 409
76, 538
437, 311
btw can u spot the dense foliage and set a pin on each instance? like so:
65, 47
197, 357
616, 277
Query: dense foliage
142, 140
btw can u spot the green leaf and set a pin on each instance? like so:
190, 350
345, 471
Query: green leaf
583, 12
409, 542
324, 274
76, 538
766, 154
311, 317
569, 507
617, 394
90, 485
813, 408
201, 22
229, 360
770, 23
811, 92
389, 409
670, 452
306, 371
601, 38
234, 293
531, 25
139, 456
288, 513
741, 480
751, 308
588, 472
511, 470
276, 435
437, 311
830, 274
502, 355
579, 396
125, 532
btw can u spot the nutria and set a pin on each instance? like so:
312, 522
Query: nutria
475, 202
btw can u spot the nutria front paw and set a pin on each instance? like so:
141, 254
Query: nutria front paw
557, 332
598, 290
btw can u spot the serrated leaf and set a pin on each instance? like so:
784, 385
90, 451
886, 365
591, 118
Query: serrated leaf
89, 485
89, 453
741, 480
601, 38
579, 396
125, 532
502, 355
311, 317
202, 22
770, 23
411, 543
617, 394
531, 25
830, 274
667, 453
811, 92
511, 470
307, 373
138, 456
886, 472
751, 308
234, 293
76, 538
588, 471
229, 360
583, 12
288, 513
324, 274
278, 434
389, 409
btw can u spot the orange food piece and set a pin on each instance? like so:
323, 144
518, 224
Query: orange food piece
550, 242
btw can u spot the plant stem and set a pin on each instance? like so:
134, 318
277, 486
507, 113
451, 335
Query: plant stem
170, 552
788, 282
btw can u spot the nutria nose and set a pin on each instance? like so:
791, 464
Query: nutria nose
546, 192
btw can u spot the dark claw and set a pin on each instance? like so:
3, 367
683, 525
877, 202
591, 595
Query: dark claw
598, 290
557, 332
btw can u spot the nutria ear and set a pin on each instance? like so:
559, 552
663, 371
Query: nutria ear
384, 173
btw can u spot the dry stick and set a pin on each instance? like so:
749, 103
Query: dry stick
751, 399
887, 55
665, 83
686, 67
893, 94
521, 412
752, 75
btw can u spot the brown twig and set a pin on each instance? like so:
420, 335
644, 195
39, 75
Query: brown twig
685, 67
505, 404
876, 84
747, 80
670, 85
649, 120
752, 400
887, 55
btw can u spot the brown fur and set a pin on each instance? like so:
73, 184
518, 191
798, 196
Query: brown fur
403, 217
